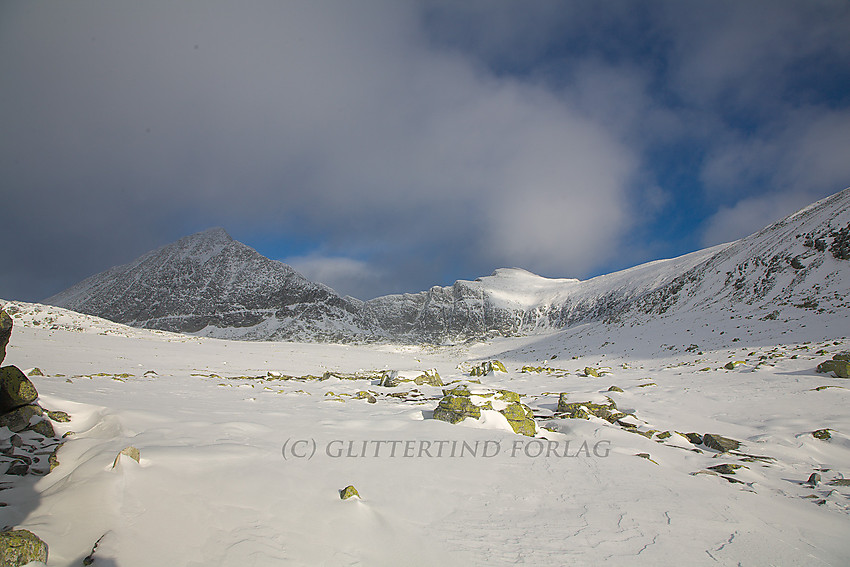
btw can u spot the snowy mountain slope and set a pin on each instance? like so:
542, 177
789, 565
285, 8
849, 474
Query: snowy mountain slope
209, 283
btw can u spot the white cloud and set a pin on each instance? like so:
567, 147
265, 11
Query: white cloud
346, 276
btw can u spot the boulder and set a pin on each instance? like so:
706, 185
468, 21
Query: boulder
16, 390
456, 405
430, 377
521, 419
720, 443
583, 410
348, 492
487, 367
5, 332
19, 547
18, 419
389, 379
590, 371
822, 434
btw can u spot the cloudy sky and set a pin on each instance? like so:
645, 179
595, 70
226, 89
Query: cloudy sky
387, 146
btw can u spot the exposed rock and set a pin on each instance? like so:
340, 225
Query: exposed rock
814, 479
839, 482
459, 403
18, 419
35, 372
43, 427
348, 492
589, 371
456, 405
733, 364
726, 468
18, 468
19, 547
16, 390
615, 389
521, 418
5, 332
583, 410
59, 416
131, 452
389, 379
720, 443
487, 367
822, 434
430, 377
694, 438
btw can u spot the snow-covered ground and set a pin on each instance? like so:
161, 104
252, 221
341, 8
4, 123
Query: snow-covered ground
241, 466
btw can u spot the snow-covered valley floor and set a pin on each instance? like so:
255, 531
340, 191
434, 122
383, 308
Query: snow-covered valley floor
241, 466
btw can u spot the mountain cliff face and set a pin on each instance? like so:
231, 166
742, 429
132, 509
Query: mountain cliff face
211, 285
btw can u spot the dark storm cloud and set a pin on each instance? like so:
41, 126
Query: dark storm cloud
405, 142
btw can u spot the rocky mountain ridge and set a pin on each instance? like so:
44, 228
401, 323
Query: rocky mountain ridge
212, 285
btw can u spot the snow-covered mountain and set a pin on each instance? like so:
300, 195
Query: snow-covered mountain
210, 284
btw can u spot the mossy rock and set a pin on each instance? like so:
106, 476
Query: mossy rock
822, 434
589, 371
720, 443
348, 492
59, 416
455, 408
43, 427
645, 456
487, 367
842, 368
664, 435
583, 410
19, 547
842, 356
131, 452
615, 389
521, 419
18, 419
16, 390
694, 438
726, 468
507, 396
389, 379
368, 396
35, 372
733, 364
430, 377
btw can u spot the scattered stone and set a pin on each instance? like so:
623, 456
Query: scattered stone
645, 456
664, 435
59, 416
486, 367
733, 364
822, 434
368, 396
19, 547
726, 468
16, 440
814, 479
430, 377
16, 390
583, 410
589, 371
35, 372
459, 403
720, 443
521, 419
43, 427
131, 452
18, 419
389, 379
839, 482
694, 438
348, 492
17, 468
615, 389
